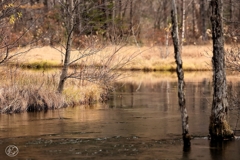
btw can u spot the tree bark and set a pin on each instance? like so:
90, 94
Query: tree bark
203, 20
181, 96
183, 22
79, 27
120, 9
193, 17
231, 10
112, 33
219, 128
131, 16
165, 12
70, 29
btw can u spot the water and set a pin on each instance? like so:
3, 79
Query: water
141, 121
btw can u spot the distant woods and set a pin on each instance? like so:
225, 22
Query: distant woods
135, 21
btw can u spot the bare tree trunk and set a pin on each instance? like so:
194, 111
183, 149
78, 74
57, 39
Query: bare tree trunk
79, 11
70, 29
238, 16
49, 4
165, 5
183, 22
107, 14
131, 16
219, 128
120, 9
125, 9
180, 74
113, 12
231, 10
203, 20
157, 23
112, 33
193, 17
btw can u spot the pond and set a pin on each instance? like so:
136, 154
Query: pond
141, 121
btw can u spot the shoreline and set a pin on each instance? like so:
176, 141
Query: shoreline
195, 58
38, 85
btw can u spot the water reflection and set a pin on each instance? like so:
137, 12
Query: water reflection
224, 150
141, 119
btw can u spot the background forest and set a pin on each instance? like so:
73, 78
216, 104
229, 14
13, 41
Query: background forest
141, 22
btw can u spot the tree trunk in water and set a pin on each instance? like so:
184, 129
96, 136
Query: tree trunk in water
180, 74
219, 128
70, 29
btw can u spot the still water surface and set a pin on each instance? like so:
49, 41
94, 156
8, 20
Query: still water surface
141, 121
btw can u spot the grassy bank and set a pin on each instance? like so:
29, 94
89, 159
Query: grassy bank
36, 91
195, 58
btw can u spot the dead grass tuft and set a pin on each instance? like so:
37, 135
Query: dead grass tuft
15, 99
34, 91
86, 94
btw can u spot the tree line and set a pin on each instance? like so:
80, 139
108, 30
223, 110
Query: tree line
137, 21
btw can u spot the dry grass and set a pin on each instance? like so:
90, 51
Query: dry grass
82, 94
195, 58
33, 91
16, 99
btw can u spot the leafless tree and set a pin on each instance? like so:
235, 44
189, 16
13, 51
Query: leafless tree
183, 21
87, 68
180, 74
219, 128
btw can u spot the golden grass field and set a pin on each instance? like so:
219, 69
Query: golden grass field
195, 58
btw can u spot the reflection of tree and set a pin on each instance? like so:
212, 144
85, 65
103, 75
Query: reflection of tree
132, 95
205, 94
218, 149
